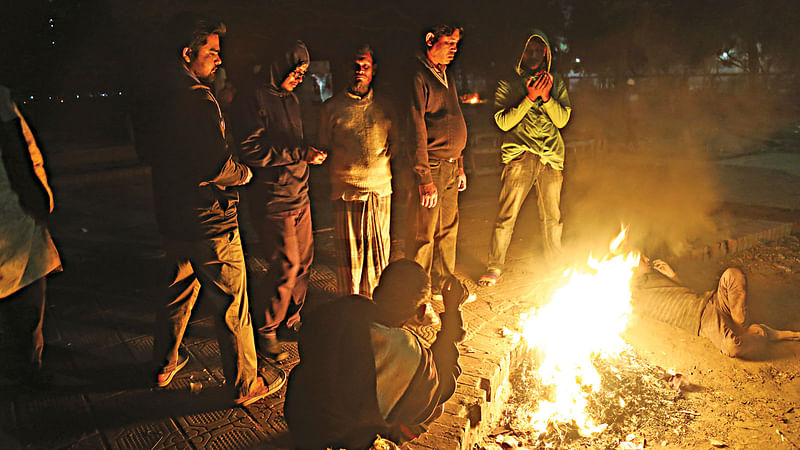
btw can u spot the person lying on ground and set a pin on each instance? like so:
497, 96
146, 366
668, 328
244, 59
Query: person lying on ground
719, 315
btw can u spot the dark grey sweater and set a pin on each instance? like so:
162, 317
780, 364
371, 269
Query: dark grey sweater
438, 126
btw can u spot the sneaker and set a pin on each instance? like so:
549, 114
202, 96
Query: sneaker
267, 383
165, 376
270, 348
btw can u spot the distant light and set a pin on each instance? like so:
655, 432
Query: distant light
725, 56
51, 20
62, 100
31, 97
51, 25
577, 60
52, 42
77, 96
120, 92
103, 94
49, 98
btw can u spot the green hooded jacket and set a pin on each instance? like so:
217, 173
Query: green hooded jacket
532, 126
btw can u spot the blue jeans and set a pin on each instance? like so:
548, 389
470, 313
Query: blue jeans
519, 175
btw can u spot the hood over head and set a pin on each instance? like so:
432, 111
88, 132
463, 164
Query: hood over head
534, 34
284, 61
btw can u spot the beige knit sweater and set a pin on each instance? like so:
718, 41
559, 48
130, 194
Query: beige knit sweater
357, 132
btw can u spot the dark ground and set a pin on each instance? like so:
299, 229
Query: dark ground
101, 308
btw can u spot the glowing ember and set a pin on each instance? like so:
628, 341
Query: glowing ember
470, 98
583, 321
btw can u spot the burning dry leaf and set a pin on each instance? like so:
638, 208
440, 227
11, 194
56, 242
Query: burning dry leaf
505, 332
499, 431
508, 441
717, 444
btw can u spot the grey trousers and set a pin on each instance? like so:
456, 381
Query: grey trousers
519, 175
434, 243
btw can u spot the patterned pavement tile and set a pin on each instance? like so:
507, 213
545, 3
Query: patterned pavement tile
152, 435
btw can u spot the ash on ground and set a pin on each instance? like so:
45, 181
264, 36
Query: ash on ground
640, 404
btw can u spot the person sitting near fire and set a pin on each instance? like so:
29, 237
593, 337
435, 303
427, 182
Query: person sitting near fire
362, 375
719, 315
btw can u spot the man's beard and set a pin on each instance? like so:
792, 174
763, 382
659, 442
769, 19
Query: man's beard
360, 86
209, 79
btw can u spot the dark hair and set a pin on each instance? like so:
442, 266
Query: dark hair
192, 31
403, 281
364, 50
439, 31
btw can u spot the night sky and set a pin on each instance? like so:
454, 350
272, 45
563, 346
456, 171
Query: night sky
58, 47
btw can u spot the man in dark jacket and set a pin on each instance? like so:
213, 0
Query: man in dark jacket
193, 177
531, 106
269, 127
361, 374
439, 135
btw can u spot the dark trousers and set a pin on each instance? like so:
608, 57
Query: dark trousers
434, 244
217, 267
288, 240
21, 320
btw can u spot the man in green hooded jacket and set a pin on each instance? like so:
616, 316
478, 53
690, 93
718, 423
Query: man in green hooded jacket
531, 106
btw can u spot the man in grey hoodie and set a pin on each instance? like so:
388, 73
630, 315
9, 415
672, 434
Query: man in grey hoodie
531, 106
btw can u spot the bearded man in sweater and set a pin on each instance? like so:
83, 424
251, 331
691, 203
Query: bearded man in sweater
357, 130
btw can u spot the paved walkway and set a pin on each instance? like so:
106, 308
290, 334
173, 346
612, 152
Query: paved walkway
101, 309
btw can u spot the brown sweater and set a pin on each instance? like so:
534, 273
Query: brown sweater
438, 126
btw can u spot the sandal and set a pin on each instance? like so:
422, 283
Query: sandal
489, 278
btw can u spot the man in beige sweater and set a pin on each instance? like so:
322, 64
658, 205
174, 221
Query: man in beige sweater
357, 129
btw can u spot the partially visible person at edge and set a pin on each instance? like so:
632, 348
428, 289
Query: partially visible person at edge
28, 252
193, 179
358, 130
361, 374
269, 128
439, 135
531, 105
720, 315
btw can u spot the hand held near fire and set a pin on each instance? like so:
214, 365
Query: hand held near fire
454, 294
428, 195
539, 86
664, 268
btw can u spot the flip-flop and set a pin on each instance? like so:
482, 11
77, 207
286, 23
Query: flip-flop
489, 278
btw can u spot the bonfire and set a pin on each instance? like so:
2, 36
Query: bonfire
581, 377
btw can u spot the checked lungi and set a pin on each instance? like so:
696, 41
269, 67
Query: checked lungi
362, 242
